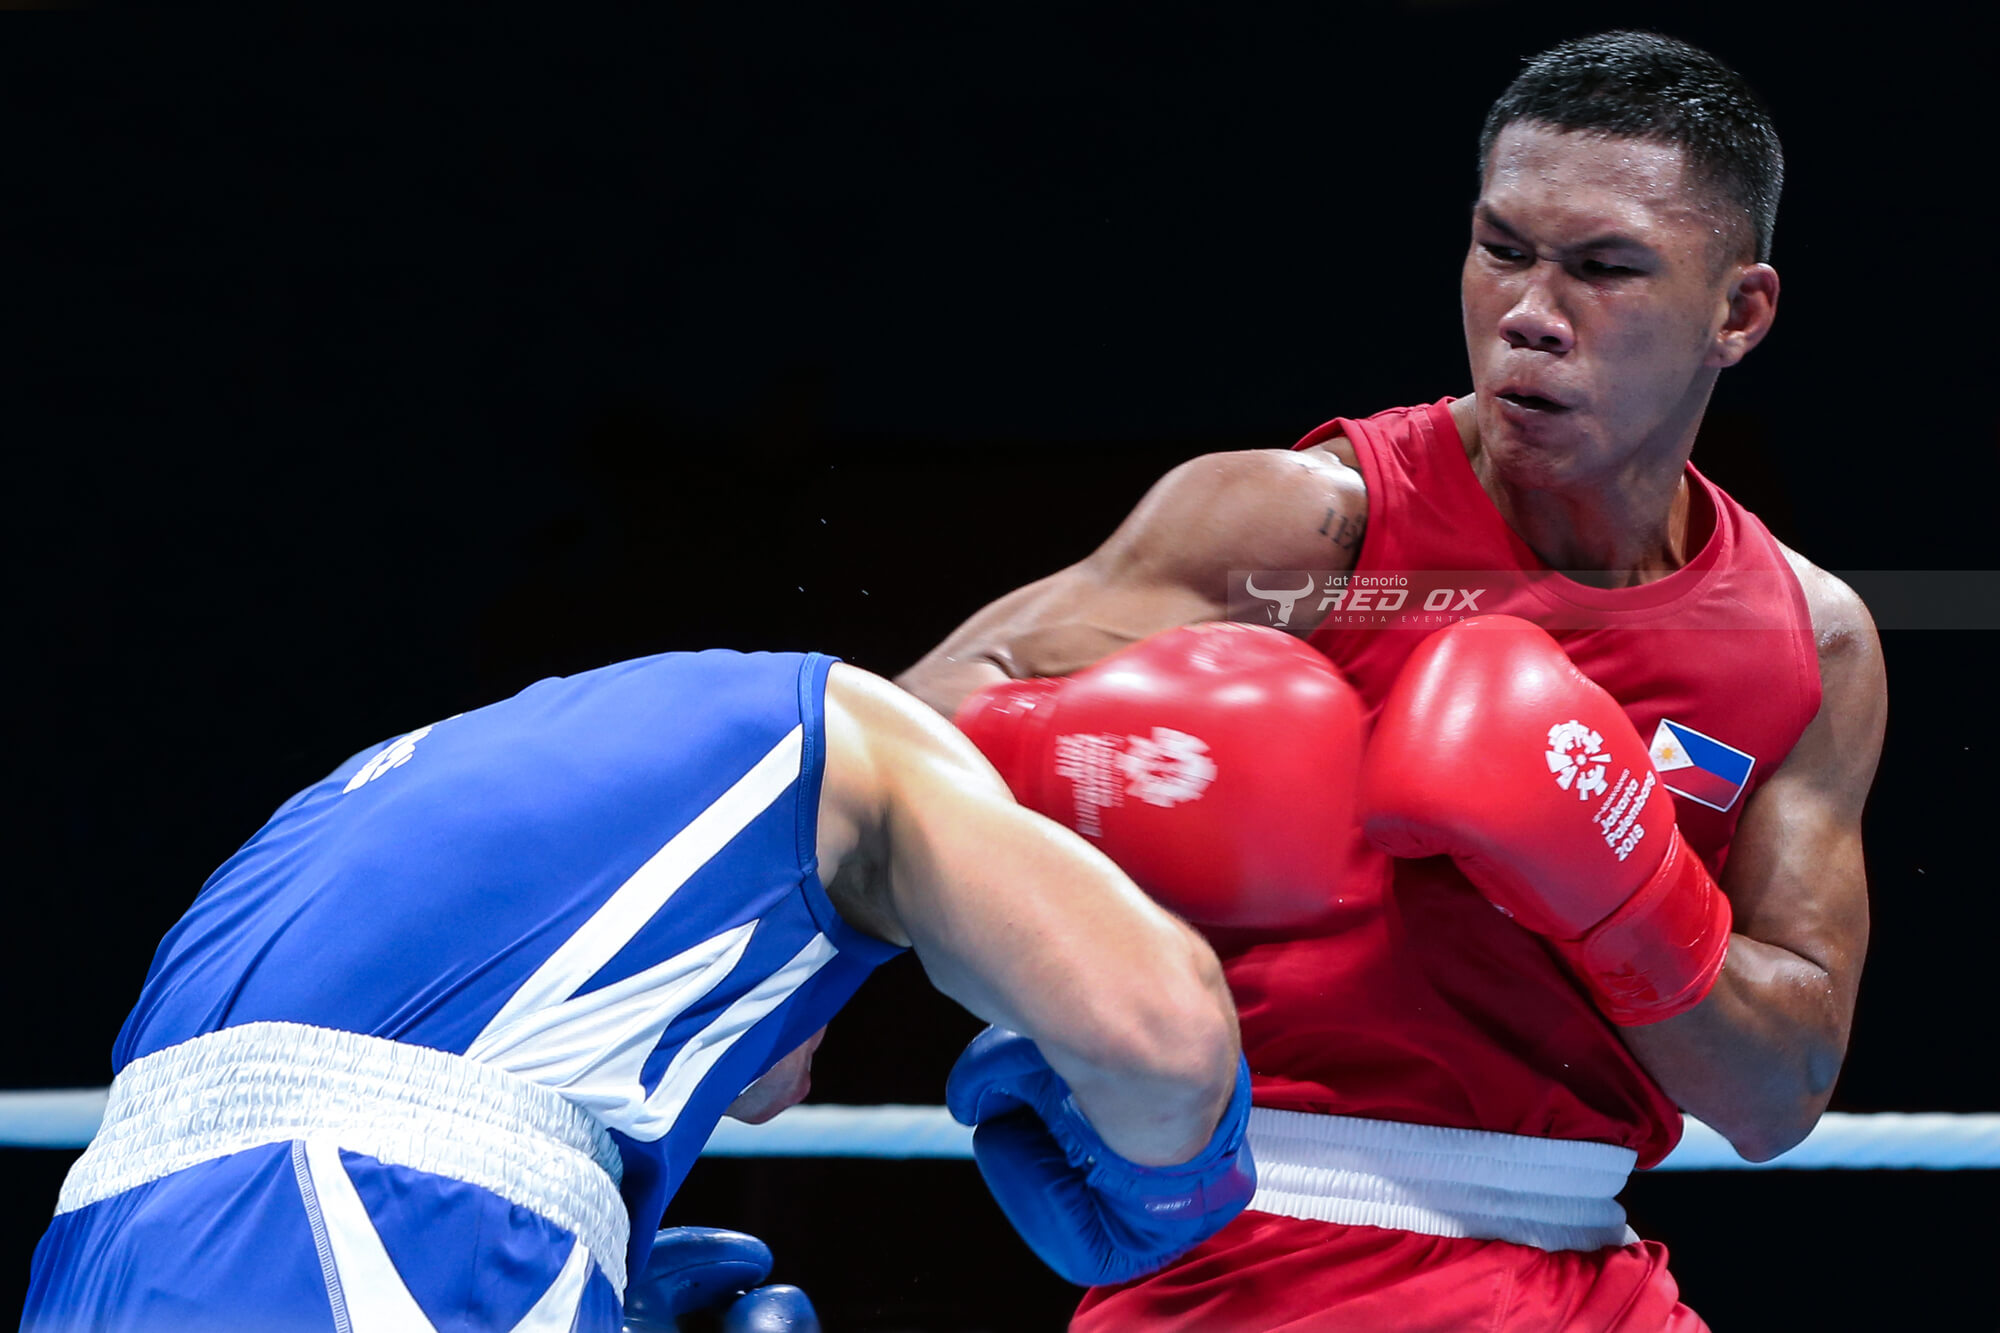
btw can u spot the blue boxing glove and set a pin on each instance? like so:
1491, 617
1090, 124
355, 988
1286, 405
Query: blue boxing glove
1091, 1215
778, 1308
711, 1271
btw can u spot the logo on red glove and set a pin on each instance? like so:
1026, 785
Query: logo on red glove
1163, 769
1577, 759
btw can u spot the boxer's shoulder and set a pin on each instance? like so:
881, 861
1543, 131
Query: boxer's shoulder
1841, 745
888, 756
1843, 630
872, 731
1245, 509
888, 737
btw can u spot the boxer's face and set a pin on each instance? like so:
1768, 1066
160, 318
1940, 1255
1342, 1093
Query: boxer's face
784, 1084
1596, 293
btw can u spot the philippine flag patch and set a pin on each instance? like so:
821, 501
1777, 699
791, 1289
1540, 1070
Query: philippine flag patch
1700, 767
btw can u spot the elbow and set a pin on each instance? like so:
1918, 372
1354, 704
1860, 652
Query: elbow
1763, 1143
1774, 1131
1769, 1116
1822, 1068
1779, 1131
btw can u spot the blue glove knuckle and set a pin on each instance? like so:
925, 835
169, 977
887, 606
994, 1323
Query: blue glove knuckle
679, 1247
779, 1308
998, 1071
694, 1268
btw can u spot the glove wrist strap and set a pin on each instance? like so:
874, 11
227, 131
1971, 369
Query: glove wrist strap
1660, 953
1205, 1179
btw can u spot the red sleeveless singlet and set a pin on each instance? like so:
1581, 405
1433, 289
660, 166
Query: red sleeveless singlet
1414, 1000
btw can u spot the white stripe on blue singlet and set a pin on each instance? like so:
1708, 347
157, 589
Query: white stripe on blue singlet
594, 1047
634, 903
701, 1052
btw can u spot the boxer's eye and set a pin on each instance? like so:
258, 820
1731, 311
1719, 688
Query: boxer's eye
1506, 254
1595, 268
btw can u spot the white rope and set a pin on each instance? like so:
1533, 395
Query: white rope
846, 1131
51, 1117
1930, 1141
1886, 1140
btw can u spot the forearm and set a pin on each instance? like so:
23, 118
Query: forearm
974, 655
1152, 1070
1155, 1090
1154, 1120
1756, 1060
944, 680
1143, 1031
1054, 627
1031, 928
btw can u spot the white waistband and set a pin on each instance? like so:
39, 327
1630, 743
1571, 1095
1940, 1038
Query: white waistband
408, 1106
1554, 1194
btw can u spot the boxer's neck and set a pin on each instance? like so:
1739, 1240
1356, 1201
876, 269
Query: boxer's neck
1620, 532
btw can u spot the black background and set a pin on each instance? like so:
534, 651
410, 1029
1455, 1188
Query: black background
359, 374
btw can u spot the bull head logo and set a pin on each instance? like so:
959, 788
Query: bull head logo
1284, 597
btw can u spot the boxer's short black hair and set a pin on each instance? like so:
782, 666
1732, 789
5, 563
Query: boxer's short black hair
1640, 85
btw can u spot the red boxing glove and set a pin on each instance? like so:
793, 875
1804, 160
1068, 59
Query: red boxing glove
1495, 750
1216, 764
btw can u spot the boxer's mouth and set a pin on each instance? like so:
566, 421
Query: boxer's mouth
1531, 402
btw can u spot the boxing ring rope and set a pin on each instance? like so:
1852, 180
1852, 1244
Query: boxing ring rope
1925, 1141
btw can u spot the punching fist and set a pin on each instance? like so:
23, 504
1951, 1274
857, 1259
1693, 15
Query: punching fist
1091, 1215
1494, 749
706, 1271
1216, 764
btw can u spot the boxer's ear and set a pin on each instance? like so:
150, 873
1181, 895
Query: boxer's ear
1750, 305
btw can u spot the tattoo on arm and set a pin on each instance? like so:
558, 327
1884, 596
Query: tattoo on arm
1343, 530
